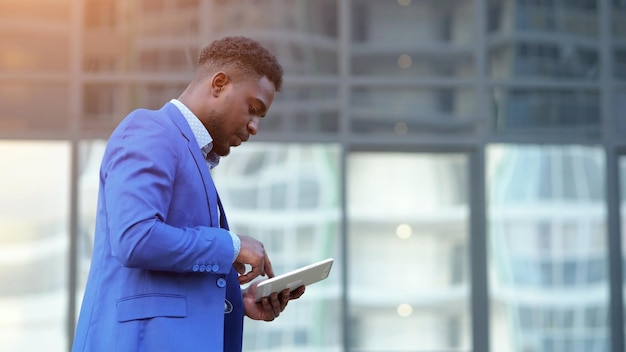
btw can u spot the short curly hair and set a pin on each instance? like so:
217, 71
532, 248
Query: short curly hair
240, 55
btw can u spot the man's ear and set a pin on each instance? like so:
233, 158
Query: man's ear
218, 82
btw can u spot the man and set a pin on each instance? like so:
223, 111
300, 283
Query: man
166, 272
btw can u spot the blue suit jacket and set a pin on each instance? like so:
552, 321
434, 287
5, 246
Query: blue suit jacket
162, 266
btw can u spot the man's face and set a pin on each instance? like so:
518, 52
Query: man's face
239, 108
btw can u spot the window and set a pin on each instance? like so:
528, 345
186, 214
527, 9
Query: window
555, 279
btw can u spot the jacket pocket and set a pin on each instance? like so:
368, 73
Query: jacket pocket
150, 306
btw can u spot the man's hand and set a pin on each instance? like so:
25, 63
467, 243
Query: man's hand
252, 253
269, 307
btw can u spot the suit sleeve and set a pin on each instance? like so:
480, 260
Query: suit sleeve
156, 205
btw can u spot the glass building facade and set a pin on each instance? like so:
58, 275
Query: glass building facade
462, 160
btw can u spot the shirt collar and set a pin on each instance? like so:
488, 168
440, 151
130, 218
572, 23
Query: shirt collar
204, 139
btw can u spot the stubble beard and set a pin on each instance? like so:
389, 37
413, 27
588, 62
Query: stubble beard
220, 144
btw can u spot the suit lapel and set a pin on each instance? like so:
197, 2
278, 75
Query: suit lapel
223, 221
175, 115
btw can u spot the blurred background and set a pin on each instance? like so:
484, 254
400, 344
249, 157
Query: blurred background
462, 160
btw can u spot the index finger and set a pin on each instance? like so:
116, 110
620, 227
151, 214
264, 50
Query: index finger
268, 266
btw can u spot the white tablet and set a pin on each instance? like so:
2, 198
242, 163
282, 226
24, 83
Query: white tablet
305, 275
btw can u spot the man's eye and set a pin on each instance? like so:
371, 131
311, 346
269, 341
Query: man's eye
252, 109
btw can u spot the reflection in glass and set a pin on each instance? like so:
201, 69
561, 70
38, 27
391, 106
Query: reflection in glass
543, 39
425, 38
30, 51
618, 19
35, 36
547, 241
578, 17
619, 63
304, 109
545, 110
34, 106
105, 105
619, 106
302, 33
34, 245
42, 14
549, 58
287, 197
408, 235
419, 110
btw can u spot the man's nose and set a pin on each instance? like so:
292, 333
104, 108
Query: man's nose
253, 126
